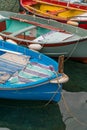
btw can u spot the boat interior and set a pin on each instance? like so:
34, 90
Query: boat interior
24, 32
51, 10
16, 68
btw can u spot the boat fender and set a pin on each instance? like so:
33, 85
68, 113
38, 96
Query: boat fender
11, 41
73, 23
35, 47
62, 79
1, 38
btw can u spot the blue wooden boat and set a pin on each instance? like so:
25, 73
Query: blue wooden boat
28, 75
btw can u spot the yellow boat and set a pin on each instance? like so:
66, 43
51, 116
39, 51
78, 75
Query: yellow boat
53, 11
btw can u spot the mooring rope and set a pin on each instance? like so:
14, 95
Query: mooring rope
59, 86
70, 54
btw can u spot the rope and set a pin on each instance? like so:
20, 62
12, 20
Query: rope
74, 48
71, 113
59, 86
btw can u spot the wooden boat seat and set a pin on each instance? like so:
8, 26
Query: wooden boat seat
52, 10
56, 12
60, 11
23, 30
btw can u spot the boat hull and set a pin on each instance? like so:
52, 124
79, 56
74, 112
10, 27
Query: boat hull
71, 50
45, 92
76, 51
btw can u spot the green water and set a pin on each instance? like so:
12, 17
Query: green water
77, 73
26, 115
34, 115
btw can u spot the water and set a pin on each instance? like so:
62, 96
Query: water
9, 5
26, 115
78, 76
34, 115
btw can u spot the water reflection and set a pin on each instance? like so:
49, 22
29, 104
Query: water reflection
30, 115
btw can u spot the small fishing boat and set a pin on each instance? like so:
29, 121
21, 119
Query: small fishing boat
50, 37
29, 75
66, 12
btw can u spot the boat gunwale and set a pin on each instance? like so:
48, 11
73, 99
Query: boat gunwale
67, 3
35, 20
62, 43
25, 87
53, 4
48, 26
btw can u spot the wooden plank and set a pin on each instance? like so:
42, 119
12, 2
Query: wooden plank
22, 30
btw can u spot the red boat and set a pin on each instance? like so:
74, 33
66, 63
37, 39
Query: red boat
76, 5
66, 12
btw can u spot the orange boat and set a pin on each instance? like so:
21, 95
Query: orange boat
71, 13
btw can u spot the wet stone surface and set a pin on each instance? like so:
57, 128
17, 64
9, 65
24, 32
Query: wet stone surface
9, 5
